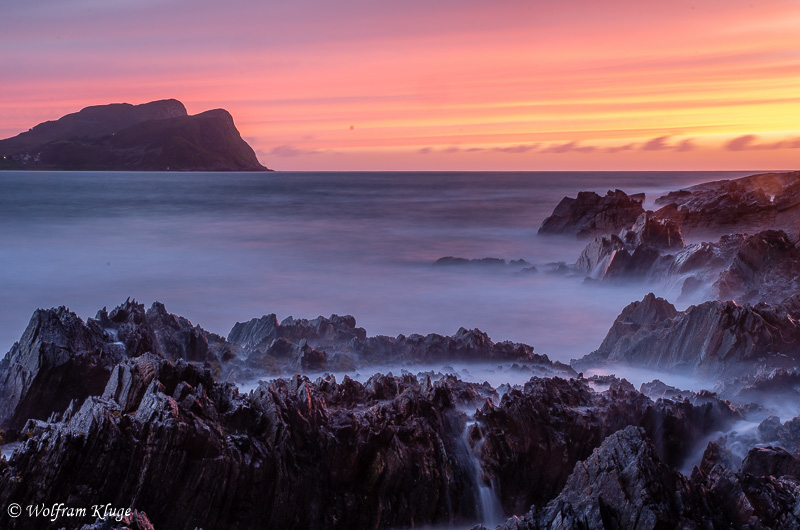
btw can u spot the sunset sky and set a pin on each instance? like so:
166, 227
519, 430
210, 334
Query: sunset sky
422, 85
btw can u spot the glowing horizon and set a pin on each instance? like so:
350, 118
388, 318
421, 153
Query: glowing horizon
507, 85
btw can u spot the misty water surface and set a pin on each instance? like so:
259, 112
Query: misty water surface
221, 248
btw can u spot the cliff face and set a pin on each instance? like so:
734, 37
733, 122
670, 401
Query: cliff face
156, 136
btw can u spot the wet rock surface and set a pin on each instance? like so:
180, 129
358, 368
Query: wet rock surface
292, 453
297, 453
534, 436
60, 358
748, 204
712, 338
275, 347
394, 451
624, 484
761, 267
590, 214
745, 204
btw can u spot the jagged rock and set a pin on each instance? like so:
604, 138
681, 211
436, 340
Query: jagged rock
712, 338
623, 484
255, 334
749, 203
599, 255
766, 265
656, 389
632, 253
534, 436
590, 214
651, 230
774, 461
785, 435
58, 358
265, 343
194, 453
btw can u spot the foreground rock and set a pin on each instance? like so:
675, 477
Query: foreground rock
60, 358
532, 439
156, 136
295, 453
590, 214
713, 338
168, 440
625, 485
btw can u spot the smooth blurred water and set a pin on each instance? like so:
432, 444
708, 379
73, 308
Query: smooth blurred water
220, 247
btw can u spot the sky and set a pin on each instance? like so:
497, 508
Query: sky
421, 85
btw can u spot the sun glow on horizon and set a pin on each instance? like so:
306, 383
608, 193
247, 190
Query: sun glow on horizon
506, 85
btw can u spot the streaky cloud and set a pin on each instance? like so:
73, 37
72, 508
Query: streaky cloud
749, 142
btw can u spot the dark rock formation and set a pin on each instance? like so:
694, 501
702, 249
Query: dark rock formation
59, 358
156, 136
590, 214
625, 485
747, 204
712, 338
763, 267
166, 439
293, 453
532, 439
634, 252
274, 347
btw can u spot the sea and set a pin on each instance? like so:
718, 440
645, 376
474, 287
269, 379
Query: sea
221, 248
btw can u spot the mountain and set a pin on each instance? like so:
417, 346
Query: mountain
155, 136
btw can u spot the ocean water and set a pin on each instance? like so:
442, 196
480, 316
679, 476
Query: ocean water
219, 248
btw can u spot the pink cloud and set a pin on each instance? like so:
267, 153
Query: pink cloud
747, 142
570, 147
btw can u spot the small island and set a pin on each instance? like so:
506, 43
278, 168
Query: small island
155, 136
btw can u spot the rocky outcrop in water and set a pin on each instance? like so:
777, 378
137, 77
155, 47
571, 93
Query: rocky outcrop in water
751, 203
273, 347
763, 267
60, 358
589, 214
480, 263
712, 338
634, 252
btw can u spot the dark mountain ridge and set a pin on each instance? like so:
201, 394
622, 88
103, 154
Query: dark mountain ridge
155, 136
